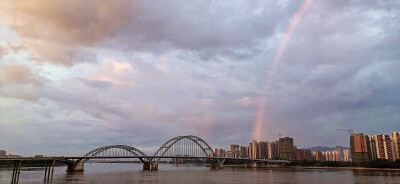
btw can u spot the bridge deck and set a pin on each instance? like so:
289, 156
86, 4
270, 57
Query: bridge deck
64, 158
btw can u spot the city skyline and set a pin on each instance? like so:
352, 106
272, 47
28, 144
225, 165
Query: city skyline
79, 75
281, 149
372, 147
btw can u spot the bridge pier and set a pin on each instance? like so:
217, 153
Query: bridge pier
75, 167
216, 165
146, 166
150, 166
154, 166
252, 165
16, 171
48, 172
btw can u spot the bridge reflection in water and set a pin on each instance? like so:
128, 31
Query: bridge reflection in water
177, 148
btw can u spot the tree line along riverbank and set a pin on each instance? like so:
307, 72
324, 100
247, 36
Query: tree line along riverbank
379, 163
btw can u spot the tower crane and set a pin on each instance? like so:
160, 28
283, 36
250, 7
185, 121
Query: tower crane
349, 130
279, 134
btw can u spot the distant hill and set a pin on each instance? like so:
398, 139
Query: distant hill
324, 148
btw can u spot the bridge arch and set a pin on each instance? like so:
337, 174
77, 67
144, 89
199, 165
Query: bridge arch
188, 144
114, 150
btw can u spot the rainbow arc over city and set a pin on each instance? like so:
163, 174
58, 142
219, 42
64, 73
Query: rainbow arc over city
259, 120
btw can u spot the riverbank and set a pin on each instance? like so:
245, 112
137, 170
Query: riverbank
316, 167
345, 168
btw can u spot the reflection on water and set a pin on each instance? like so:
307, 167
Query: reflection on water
132, 173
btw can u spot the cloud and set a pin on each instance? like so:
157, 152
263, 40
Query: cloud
336, 72
58, 32
67, 32
3, 51
96, 83
18, 81
149, 76
114, 72
202, 29
16, 48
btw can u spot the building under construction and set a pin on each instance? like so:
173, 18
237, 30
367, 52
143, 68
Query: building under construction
360, 150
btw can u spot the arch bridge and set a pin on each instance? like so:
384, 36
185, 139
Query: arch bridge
178, 149
114, 150
189, 145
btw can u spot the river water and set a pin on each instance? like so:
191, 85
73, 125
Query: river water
132, 173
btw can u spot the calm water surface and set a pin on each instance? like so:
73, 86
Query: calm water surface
132, 173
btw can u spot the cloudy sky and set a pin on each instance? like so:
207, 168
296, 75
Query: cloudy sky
76, 75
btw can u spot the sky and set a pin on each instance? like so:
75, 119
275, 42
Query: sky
77, 75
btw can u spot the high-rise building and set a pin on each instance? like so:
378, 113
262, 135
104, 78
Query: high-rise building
273, 150
263, 150
286, 148
372, 147
233, 147
253, 149
384, 147
396, 145
303, 154
335, 155
339, 150
328, 156
3, 153
249, 150
346, 155
331, 155
294, 157
243, 151
219, 152
318, 156
359, 145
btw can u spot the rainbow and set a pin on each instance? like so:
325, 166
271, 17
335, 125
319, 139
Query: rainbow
289, 31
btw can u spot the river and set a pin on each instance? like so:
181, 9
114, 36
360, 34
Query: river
132, 173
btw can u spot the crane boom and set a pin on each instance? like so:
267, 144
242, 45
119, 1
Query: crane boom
349, 130
279, 134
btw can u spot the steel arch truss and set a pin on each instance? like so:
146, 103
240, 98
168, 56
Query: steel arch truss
115, 150
194, 140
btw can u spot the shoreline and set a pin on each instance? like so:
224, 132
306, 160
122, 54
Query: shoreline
345, 168
317, 167
295, 167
